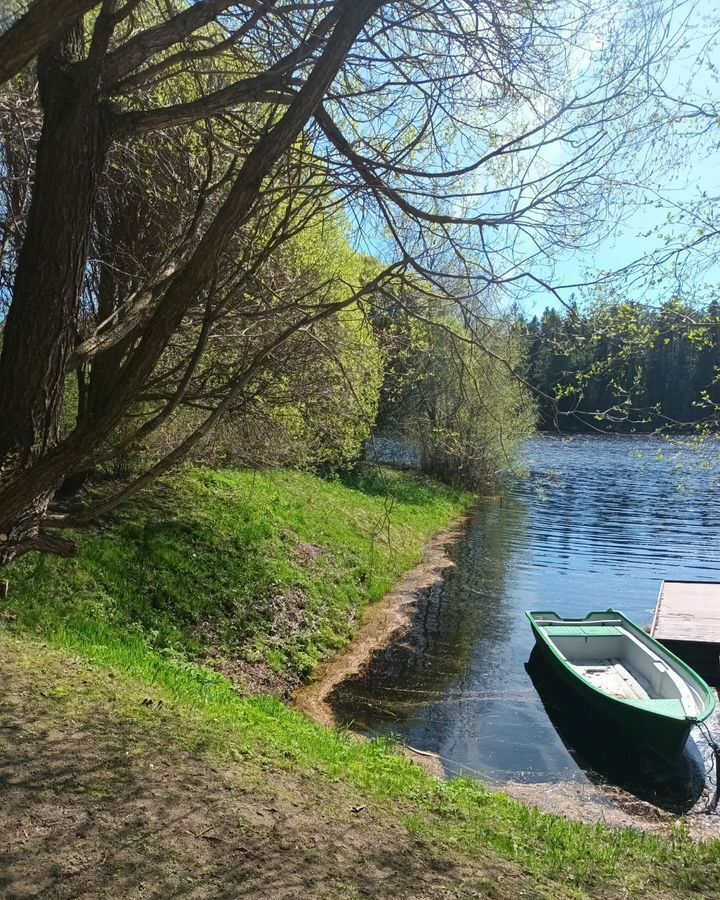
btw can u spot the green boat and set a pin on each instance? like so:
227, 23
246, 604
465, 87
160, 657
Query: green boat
627, 677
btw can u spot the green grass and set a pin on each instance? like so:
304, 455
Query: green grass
209, 548
266, 566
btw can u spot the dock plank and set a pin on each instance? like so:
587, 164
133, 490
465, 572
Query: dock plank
688, 611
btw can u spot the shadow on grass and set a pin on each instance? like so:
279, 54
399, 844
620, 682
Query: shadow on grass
400, 485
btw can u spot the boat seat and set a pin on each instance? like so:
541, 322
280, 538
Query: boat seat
664, 677
583, 630
665, 707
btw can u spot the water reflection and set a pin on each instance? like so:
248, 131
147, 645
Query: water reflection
598, 522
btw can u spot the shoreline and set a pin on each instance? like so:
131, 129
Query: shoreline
384, 620
392, 616
609, 805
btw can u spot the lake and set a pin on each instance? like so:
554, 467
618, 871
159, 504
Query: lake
596, 522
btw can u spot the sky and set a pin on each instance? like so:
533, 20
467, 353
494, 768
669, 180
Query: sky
697, 171
639, 229
636, 236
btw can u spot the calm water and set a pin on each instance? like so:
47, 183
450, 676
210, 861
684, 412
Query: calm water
598, 522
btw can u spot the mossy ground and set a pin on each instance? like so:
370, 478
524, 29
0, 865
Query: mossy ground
141, 774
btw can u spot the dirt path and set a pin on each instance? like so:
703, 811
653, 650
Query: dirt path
96, 803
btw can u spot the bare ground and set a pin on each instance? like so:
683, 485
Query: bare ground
99, 802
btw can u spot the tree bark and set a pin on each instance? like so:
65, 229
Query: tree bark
41, 22
41, 324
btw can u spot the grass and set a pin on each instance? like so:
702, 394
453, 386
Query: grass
456, 817
210, 548
271, 567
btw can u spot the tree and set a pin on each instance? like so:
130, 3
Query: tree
626, 366
471, 136
452, 392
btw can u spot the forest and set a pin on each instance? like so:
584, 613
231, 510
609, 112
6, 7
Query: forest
625, 367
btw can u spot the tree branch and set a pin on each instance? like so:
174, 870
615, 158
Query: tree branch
24, 40
378, 186
271, 86
45, 542
134, 52
261, 88
240, 383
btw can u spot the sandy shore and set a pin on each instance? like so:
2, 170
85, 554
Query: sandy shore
384, 621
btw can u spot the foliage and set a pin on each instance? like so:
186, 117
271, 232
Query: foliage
626, 366
454, 393
321, 406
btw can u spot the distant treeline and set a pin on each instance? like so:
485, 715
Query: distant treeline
625, 367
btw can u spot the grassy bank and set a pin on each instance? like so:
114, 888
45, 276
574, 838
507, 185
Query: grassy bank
261, 574
110, 638
483, 844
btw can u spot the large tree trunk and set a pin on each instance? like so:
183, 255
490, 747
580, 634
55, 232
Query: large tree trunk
42, 321
40, 336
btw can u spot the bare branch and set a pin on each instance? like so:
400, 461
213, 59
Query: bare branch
134, 52
265, 88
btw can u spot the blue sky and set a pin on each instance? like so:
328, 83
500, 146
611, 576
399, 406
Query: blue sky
640, 225
674, 192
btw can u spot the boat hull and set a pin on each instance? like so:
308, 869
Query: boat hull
664, 735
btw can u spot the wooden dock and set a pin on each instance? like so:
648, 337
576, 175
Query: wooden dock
687, 621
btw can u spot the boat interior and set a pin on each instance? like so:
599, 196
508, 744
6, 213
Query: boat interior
616, 661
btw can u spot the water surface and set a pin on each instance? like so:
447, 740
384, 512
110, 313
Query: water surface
597, 523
